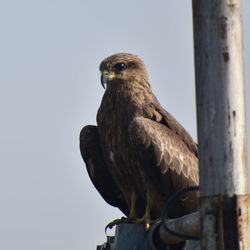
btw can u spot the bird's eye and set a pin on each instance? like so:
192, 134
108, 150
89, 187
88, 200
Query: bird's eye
120, 66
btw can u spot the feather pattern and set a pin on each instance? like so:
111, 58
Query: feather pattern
172, 156
98, 171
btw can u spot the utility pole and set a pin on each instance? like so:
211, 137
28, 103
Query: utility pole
224, 202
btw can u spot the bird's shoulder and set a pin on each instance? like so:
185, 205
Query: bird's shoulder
155, 112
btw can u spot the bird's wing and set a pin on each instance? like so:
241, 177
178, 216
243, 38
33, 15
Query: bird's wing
175, 126
154, 111
167, 159
97, 170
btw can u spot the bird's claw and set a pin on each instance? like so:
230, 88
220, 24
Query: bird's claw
118, 221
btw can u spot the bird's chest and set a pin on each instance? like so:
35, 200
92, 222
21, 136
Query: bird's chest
113, 120
114, 133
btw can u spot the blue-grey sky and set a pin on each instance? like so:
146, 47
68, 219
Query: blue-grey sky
49, 57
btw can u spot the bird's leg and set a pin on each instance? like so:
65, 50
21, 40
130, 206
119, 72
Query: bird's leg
131, 217
146, 219
132, 212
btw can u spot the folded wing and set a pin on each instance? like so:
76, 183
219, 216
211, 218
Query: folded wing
98, 171
166, 157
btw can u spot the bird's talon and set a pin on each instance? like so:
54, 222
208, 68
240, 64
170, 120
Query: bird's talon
117, 222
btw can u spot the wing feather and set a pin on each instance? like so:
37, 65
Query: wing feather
157, 113
98, 171
170, 155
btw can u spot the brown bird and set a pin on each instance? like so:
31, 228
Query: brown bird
138, 155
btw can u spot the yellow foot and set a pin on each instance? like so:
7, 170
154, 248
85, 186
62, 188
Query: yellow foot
118, 221
146, 221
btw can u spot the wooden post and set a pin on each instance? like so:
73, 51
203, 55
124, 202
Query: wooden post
224, 202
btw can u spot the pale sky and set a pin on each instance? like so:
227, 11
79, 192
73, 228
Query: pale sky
50, 52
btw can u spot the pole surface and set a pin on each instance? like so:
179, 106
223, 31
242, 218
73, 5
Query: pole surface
221, 123
220, 96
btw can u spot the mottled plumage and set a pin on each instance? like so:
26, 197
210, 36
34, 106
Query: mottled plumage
146, 153
97, 169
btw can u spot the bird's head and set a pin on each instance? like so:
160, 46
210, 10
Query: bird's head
121, 68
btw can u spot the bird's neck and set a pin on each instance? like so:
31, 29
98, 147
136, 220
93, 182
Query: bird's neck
124, 101
130, 93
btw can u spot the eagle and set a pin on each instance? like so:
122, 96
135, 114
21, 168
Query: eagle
138, 155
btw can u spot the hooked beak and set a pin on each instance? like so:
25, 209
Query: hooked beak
103, 80
106, 76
